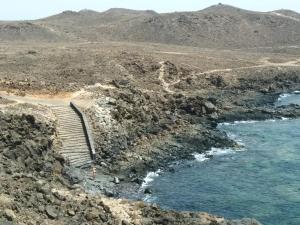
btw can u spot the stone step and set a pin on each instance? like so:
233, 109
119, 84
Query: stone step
77, 151
59, 106
68, 117
68, 141
73, 158
75, 161
85, 153
82, 164
62, 109
71, 140
75, 138
72, 136
69, 131
70, 120
80, 146
65, 114
75, 141
71, 126
78, 156
74, 145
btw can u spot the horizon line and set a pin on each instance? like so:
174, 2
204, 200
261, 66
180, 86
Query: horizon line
141, 10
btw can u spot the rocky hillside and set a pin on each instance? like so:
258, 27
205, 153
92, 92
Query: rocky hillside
216, 26
27, 31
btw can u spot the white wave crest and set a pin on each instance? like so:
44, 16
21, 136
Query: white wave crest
149, 198
245, 121
271, 120
282, 96
236, 139
224, 124
220, 151
213, 152
150, 178
238, 122
200, 157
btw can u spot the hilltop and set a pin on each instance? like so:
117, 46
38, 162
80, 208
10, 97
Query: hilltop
220, 26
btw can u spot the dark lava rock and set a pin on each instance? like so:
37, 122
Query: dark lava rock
148, 191
209, 107
72, 175
51, 212
5, 222
92, 214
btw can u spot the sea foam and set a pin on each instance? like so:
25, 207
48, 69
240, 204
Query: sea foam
282, 96
201, 157
150, 178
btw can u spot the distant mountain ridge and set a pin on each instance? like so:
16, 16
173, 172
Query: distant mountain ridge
220, 26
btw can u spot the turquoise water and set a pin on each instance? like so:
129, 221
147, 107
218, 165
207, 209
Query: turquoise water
262, 181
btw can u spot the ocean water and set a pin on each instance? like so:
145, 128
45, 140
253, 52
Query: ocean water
260, 181
286, 99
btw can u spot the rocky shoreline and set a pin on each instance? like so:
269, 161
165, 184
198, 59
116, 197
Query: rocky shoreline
167, 129
135, 132
35, 190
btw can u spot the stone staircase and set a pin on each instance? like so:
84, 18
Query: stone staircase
75, 147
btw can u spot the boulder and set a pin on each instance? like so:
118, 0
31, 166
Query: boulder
51, 212
9, 214
92, 214
73, 176
210, 107
116, 180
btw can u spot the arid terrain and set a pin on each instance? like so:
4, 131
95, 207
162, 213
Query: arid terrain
153, 86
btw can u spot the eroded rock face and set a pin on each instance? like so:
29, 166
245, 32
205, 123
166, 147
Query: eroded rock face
25, 144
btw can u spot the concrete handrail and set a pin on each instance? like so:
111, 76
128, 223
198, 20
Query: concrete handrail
87, 130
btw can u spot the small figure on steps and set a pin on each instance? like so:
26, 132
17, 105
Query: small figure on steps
94, 172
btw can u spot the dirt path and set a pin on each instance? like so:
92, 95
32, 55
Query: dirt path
35, 99
285, 16
60, 99
165, 84
264, 62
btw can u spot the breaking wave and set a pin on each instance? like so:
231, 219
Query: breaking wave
150, 178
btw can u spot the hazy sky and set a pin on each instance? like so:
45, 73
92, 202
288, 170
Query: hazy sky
33, 9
